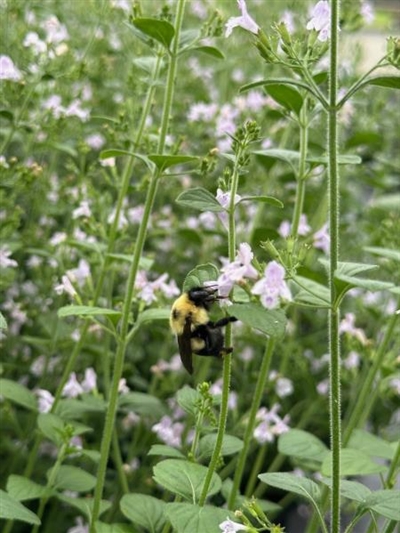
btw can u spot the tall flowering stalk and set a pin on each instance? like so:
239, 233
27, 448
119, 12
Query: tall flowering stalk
123, 338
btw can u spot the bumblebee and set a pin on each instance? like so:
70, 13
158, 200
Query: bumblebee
195, 332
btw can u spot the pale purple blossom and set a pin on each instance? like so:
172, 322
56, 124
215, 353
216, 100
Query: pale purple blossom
58, 238
135, 214
75, 110
65, 287
323, 387
55, 31
45, 400
53, 104
244, 21
72, 388
228, 526
283, 387
367, 12
169, 432
8, 71
238, 270
95, 141
322, 239
174, 365
352, 360
347, 325
288, 20
224, 198
5, 262
82, 211
394, 384
90, 381
108, 162
130, 420
202, 112
33, 41
81, 273
270, 424
303, 229
216, 390
272, 286
320, 20
80, 527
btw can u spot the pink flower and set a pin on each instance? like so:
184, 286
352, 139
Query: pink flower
244, 21
236, 271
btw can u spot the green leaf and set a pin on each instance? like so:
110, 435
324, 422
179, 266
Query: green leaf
86, 310
151, 315
299, 443
163, 162
160, 30
286, 96
165, 451
200, 275
311, 293
115, 152
3, 322
84, 505
288, 156
272, 322
52, 427
288, 82
200, 199
101, 527
230, 445
385, 503
342, 160
144, 262
143, 404
18, 394
387, 253
73, 478
22, 489
349, 269
370, 444
73, 408
350, 489
209, 50
188, 518
292, 483
369, 284
352, 463
184, 478
143, 510
188, 399
390, 82
12, 509
264, 199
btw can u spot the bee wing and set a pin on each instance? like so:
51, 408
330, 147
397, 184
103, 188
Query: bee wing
185, 347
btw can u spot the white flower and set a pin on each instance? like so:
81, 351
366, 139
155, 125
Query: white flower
72, 388
90, 381
45, 400
244, 21
5, 262
8, 71
65, 286
228, 526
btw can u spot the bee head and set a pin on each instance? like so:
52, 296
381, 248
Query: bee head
203, 296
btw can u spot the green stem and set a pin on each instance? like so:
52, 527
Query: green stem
301, 183
262, 377
334, 313
141, 237
360, 412
228, 339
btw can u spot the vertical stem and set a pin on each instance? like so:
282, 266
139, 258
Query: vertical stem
141, 237
228, 338
334, 313
301, 184
266, 361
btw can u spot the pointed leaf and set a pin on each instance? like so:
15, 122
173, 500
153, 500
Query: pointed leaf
209, 50
369, 284
74, 478
101, 527
184, 478
22, 488
352, 463
12, 509
370, 444
292, 483
391, 82
18, 393
160, 30
163, 162
272, 322
84, 505
188, 518
143, 510
188, 399
286, 95
342, 160
349, 269
281, 81
385, 503
353, 490
151, 315
165, 451
299, 443
3, 322
200, 199
312, 293
288, 156
143, 404
387, 253
230, 445
114, 152
264, 199
85, 310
